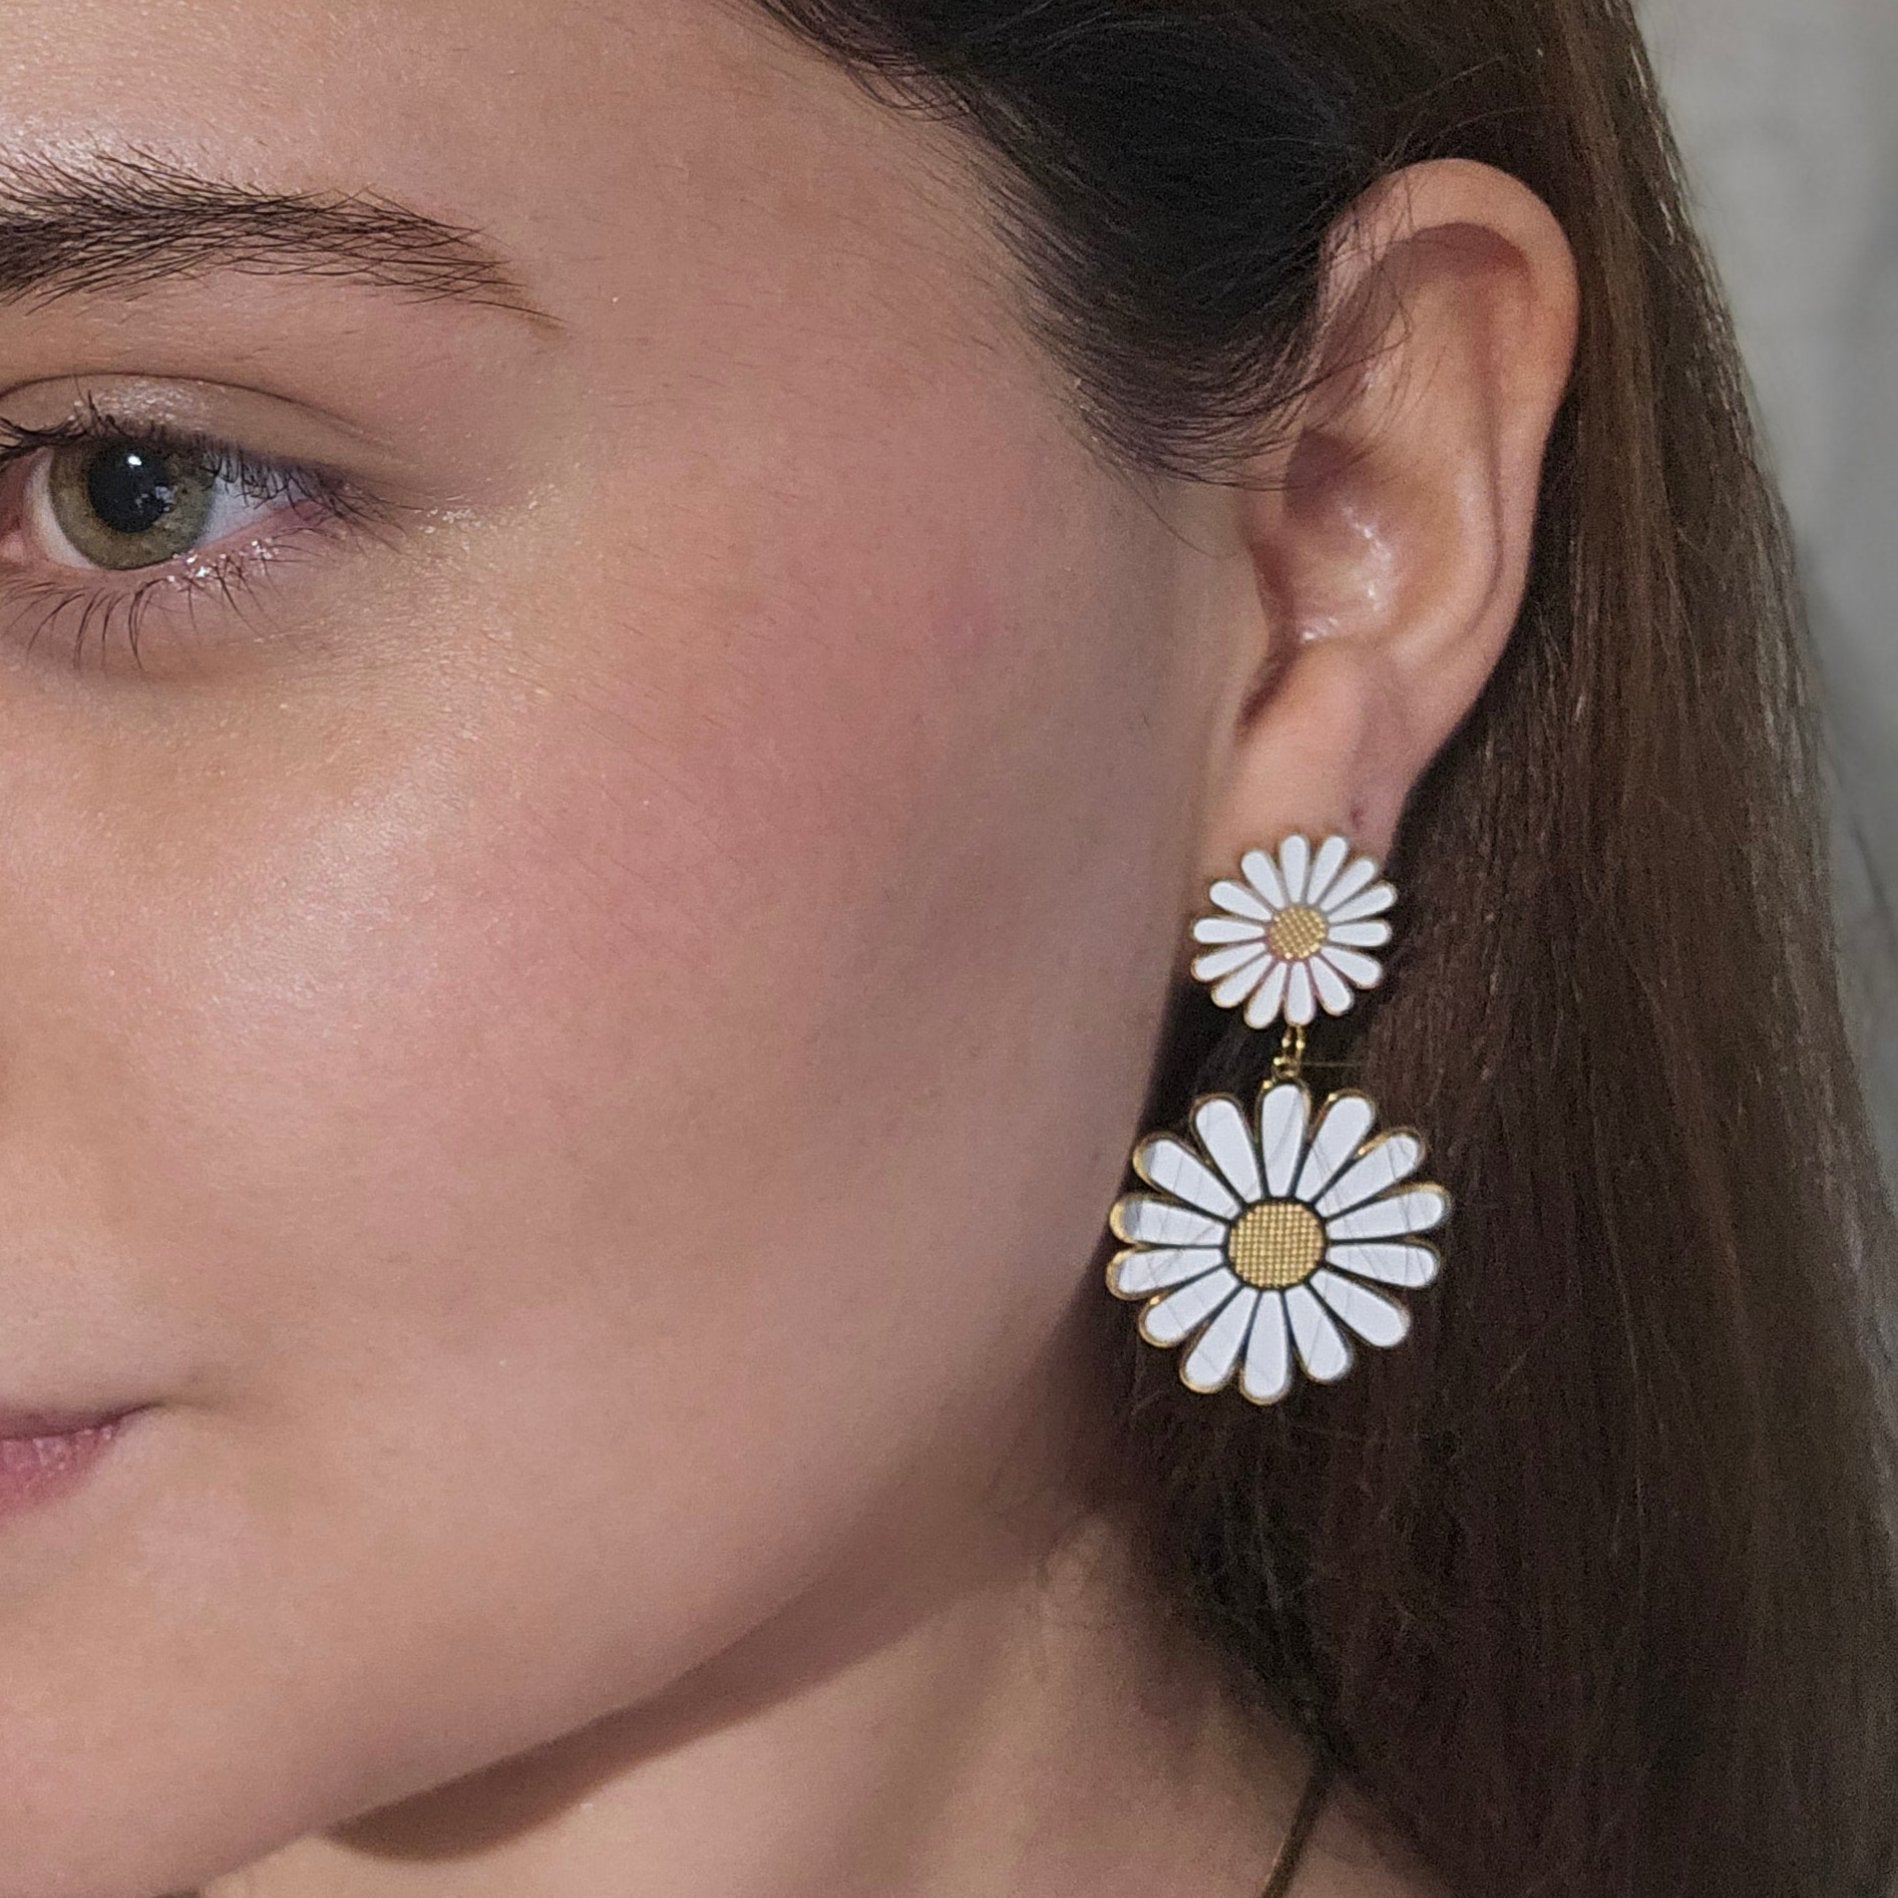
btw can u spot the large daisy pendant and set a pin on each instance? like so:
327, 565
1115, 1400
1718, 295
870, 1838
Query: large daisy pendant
1271, 1245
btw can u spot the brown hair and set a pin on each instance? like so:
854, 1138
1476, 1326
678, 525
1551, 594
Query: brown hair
1590, 1586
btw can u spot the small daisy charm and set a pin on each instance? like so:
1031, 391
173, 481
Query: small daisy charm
1295, 930
1277, 1237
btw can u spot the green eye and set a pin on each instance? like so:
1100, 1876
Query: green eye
125, 504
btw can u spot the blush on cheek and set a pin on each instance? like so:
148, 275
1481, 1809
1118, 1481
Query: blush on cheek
791, 904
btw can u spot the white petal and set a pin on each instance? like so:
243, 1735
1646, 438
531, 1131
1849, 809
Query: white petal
1347, 1118
1372, 935
1241, 929
1298, 996
1263, 874
1416, 1209
1210, 1362
1350, 880
1175, 1168
1167, 1320
1282, 1111
1334, 992
1144, 1221
1240, 900
1294, 863
1374, 902
1140, 1274
1213, 963
1321, 1346
1236, 986
1220, 1122
1376, 1319
1268, 997
1268, 1373
1386, 1161
1324, 869
1364, 970
1391, 1264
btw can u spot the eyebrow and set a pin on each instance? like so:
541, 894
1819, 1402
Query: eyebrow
115, 221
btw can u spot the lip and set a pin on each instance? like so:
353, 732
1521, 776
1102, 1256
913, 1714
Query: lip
60, 1423
38, 1465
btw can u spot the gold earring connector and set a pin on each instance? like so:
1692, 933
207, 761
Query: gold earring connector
1290, 1059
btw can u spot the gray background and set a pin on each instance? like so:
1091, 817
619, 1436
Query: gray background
1787, 112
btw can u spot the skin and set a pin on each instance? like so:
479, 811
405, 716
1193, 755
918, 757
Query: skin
576, 1049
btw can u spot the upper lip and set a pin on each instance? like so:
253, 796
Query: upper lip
58, 1423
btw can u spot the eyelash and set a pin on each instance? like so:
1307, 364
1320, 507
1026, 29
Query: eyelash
336, 503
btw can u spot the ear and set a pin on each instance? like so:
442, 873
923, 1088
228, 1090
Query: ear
1387, 543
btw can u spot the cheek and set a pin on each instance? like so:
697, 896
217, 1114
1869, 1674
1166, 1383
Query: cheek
758, 997
772, 1031
598, 1133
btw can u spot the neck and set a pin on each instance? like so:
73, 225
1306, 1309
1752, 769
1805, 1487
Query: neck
1038, 1726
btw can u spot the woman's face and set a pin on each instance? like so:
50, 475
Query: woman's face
573, 1012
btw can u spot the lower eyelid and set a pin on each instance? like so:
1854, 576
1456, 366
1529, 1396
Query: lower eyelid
176, 604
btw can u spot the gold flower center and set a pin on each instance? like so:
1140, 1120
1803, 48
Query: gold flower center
1296, 933
1276, 1243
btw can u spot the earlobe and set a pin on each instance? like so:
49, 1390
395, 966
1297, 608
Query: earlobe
1390, 540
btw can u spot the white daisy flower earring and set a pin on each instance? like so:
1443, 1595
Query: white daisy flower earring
1295, 931
1274, 1239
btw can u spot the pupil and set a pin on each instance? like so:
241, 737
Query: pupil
130, 489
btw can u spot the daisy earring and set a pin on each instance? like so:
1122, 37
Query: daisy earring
1274, 1233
